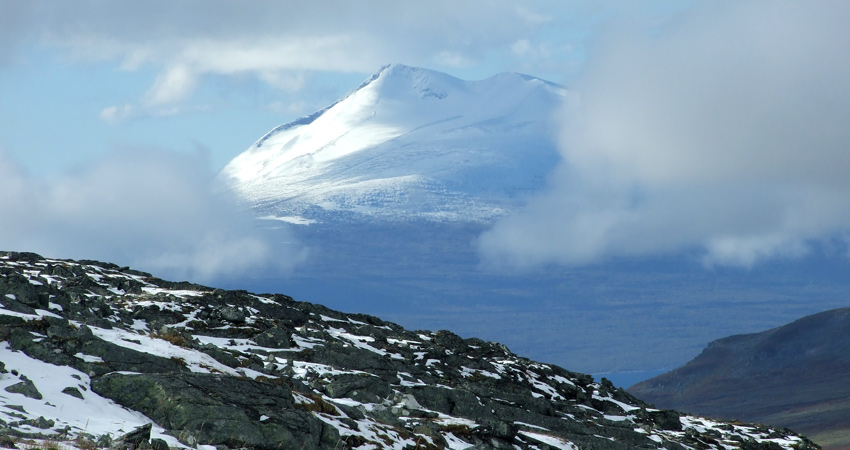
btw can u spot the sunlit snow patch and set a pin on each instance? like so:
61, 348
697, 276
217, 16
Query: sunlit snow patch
295, 220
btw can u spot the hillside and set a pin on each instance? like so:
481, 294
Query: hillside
92, 351
793, 376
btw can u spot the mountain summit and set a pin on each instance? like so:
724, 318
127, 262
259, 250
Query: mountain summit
409, 143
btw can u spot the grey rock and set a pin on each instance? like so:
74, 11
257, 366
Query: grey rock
159, 444
136, 439
181, 403
232, 314
370, 389
40, 423
274, 337
7, 442
73, 392
26, 387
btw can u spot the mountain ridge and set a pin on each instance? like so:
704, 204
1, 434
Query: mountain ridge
101, 356
792, 375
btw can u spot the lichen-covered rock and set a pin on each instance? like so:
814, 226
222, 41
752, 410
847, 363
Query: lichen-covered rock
73, 392
274, 337
135, 439
25, 387
231, 416
360, 387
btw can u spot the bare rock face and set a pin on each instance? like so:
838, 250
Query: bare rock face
238, 370
182, 403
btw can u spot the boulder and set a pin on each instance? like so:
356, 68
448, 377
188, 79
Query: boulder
138, 438
26, 387
274, 337
184, 404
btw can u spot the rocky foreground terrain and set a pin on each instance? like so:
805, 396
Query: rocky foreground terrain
95, 355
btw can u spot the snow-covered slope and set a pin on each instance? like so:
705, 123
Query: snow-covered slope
408, 143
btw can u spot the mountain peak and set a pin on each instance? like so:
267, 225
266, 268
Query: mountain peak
462, 149
400, 79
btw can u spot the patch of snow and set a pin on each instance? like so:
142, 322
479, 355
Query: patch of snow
533, 378
139, 325
358, 341
175, 292
330, 319
295, 220
195, 360
456, 443
45, 313
102, 416
531, 426
562, 380
302, 342
6, 312
617, 418
624, 406
551, 441
88, 358
466, 372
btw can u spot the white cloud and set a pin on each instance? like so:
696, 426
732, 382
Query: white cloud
454, 59
723, 130
278, 42
117, 113
172, 86
153, 210
531, 16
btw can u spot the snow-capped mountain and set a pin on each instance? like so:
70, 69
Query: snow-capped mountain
93, 355
408, 143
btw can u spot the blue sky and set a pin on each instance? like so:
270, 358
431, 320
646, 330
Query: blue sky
716, 125
80, 82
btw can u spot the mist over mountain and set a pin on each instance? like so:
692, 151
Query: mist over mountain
390, 189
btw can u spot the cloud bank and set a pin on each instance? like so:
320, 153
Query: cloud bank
153, 210
278, 43
724, 130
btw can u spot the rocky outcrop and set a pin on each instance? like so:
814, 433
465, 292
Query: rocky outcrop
238, 370
219, 410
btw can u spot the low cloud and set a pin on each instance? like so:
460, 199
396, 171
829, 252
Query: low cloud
153, 210
722, 131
